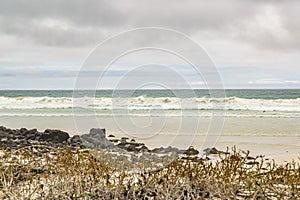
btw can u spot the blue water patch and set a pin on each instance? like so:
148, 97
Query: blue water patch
240, 93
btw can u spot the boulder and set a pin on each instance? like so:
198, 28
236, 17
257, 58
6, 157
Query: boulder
214, 151
97, 132
96, 139
54, 136
31, 134
191, 151
23, 130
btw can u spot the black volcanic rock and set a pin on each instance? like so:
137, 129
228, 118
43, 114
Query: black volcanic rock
75, 141
191, 151
169, 149
214, 151
54, 136
96, 138
31, 134
15, 139
23, 131
114, 140
143, 149
4, 135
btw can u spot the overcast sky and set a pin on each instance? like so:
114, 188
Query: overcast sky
254, 44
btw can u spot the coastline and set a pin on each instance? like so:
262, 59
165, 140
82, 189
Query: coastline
276, 138
233, 126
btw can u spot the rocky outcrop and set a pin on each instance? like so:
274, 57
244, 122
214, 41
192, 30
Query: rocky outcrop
191, 151
54, 136
96, 139
19, 138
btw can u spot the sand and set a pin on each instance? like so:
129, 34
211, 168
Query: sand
276, 138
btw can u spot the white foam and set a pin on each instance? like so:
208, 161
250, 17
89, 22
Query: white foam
145, 103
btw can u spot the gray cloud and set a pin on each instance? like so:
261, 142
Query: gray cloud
85, 22
81, 12
58, 23
250, 40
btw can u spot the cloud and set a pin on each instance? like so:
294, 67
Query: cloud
265, 24
7, 75
85, 22
273, 81
58, 23
247, 39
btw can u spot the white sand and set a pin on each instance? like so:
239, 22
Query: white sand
277, 138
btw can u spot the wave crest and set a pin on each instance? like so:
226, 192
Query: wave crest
138, 103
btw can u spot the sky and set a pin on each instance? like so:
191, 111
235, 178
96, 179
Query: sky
253, 44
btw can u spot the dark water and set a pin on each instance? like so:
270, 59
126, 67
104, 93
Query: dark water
244, 93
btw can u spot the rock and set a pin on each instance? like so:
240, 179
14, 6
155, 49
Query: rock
134, 144
111, 135
54, 136
122, 144
191, 151
4, 135
169, 149
23, 130
143, 149
75, 139
6, 130
213, 151
97, 132
96, 138
30, 136
114, 140
131, 148
32, 131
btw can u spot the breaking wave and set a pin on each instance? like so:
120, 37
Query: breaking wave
145, 103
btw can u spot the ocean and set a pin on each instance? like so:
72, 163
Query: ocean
265, 121
237, 103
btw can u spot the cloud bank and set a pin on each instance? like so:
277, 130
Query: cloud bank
255, 40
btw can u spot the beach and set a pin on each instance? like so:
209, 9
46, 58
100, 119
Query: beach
151, 143
276, 138
265, 122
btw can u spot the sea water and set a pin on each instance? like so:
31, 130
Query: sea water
263, 121
237, 103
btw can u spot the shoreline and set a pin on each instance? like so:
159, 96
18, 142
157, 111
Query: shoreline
277, 138
233, 126
280, 148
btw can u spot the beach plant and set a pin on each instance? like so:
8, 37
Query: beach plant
42, 172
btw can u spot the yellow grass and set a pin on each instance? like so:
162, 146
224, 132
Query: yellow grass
50, 173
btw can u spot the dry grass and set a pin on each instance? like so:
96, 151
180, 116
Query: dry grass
51, 173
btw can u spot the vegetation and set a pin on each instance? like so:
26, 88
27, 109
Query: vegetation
40, 172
